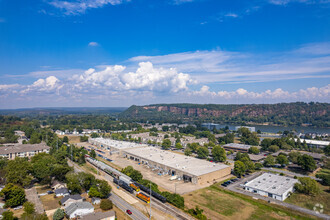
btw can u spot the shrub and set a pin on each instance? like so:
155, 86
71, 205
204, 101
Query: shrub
58, 215
106, 204
307, 186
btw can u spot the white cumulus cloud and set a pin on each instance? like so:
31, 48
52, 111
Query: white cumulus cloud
145, 78
93, 44
48, 85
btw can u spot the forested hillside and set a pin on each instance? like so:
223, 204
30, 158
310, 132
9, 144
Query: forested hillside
299, 113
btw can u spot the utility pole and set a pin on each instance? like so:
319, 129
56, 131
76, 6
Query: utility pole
150, 201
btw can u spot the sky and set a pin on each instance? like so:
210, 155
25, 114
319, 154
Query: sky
107, 53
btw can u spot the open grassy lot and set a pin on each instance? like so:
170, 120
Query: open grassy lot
49, 202
309, 202
219, 203
89, 167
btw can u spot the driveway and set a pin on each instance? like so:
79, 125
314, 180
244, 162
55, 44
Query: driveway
32, 196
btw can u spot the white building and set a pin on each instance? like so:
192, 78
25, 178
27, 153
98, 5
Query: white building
271, 185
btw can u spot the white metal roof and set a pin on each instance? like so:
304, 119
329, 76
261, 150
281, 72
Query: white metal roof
272, 183
189, 165
117, 144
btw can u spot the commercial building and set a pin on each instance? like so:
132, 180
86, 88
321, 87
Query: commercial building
183, 167
23, 150
113, 145
271, 185
237, 147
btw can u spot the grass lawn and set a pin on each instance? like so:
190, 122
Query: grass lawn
219, 203
43, 189
309, 202
49, 202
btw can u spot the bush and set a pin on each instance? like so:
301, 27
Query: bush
106, 204
8, 215
58, 215
174, 199
197, 213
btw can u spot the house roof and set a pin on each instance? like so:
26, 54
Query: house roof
21, 148
73, 197
61, 190
78, 205
99, 215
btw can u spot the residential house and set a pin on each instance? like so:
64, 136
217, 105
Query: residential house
62, 192
67, 200
79, 209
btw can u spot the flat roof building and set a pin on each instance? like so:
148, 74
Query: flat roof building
189, 169
237, 147
114, 145
271, 185
23, 150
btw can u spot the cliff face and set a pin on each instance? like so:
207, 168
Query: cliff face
282, 113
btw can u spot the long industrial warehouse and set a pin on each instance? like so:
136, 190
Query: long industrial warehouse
186, 168
113, 145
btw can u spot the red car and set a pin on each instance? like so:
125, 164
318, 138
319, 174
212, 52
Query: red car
128, 212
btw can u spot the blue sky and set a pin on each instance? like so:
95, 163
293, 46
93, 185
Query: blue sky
124, 52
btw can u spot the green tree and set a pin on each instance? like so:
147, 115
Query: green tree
106, 204
95, 135
92, 153
29, 208
105, 188
266, 143
42, 166
269, 161
198, 213
239, 168
202, 152
17, 171
327, 150
187, 152
166, 144
307, 162
65, 139
254, 150
94, 192
273, 148
258, 166
58, 215
178, 146
13, 195
8, 215
219, 154
293, 156
282, 159
307, 186
83, 138
165, 128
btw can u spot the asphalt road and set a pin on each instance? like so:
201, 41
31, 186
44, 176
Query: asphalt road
123, 205
119, 202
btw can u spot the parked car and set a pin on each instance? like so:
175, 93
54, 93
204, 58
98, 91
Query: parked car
128, 212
